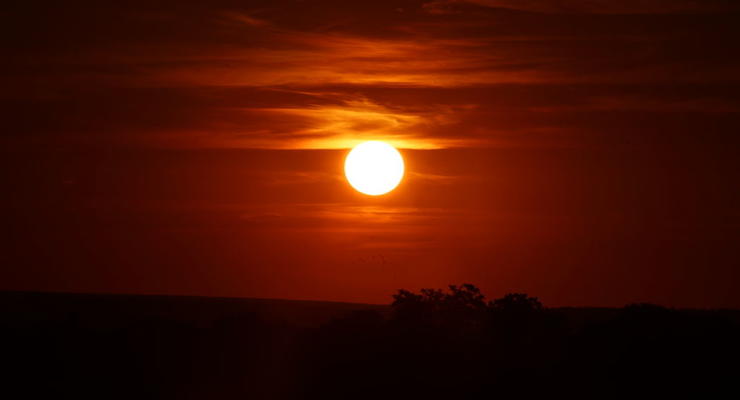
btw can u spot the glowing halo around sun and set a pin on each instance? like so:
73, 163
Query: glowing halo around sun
374, 168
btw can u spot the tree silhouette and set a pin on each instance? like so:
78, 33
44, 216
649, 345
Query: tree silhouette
459, 306
516, 303
465, 296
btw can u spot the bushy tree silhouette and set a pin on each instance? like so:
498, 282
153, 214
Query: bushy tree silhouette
516, 303
460, 307
454, 343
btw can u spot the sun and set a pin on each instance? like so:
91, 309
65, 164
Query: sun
374, 168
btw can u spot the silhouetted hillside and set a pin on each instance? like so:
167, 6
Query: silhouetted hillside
128, 346
431, 344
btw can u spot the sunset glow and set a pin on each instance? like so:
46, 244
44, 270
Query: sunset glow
584, 151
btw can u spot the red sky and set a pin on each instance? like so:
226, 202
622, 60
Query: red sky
581, 151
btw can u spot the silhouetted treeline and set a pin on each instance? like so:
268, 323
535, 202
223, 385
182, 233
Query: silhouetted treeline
455, 344
450, 343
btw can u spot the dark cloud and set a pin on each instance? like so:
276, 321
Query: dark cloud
251, 74
591, 6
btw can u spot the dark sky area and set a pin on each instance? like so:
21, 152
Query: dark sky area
582, 151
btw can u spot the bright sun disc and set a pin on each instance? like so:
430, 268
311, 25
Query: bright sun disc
374, 168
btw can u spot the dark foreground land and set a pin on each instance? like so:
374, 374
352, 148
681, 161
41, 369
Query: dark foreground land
434, 344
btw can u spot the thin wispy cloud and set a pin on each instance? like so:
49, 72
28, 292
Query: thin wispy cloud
256, 77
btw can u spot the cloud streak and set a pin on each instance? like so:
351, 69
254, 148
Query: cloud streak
438, 74
591, 6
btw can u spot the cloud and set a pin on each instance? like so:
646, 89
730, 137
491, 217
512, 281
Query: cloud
245, 18
589, 6
355, 120
326, 75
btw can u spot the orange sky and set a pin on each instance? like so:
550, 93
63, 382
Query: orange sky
581, 151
